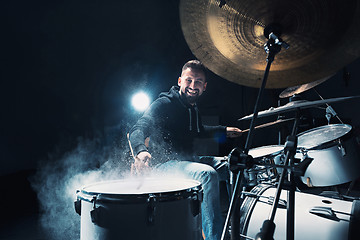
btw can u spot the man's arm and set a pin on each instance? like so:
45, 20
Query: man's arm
221, 131
139, 133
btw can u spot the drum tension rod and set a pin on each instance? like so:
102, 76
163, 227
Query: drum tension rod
282, 203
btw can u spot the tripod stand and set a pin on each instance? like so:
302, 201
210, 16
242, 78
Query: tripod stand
272, 47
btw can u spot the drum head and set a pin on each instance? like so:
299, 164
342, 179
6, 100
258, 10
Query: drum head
321, 135
265, 151
141, 186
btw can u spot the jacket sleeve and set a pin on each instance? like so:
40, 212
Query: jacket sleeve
144, 126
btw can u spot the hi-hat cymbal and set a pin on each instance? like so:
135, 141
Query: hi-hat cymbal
323, 36
301, 88
300, 104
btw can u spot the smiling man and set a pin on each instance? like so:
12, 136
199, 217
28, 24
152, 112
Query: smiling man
192, 84
173, 122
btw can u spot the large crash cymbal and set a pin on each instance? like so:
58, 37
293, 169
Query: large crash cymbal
293, 106
323, 36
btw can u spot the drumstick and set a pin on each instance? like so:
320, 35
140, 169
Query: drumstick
270, 124
133, 170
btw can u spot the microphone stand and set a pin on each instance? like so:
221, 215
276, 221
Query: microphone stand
272, 47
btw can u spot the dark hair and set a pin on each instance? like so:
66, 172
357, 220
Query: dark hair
196, 65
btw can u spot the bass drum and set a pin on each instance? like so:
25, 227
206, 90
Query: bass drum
316, 217
147, 208
335, 155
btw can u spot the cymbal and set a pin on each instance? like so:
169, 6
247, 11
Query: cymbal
323, 36
277, 122
301, 88
300, 104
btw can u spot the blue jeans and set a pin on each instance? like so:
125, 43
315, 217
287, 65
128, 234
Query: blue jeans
208, 171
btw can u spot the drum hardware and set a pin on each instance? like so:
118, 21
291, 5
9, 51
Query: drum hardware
325, 212
239, 161
268, 227
292, 92
151, 208
298, 169
77, 204
272, 47
282, 203
330, 112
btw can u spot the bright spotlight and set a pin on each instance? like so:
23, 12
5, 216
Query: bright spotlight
140, 101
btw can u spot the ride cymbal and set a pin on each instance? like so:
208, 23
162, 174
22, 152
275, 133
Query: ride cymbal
227, 36
301, 88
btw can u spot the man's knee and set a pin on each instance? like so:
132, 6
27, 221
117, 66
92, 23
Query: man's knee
210, 176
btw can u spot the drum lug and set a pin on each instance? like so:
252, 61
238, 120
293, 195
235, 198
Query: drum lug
77, 205
196, 200
151, 209
341, 149
95, 212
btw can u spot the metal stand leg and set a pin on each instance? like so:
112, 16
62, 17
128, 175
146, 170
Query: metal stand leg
272, 47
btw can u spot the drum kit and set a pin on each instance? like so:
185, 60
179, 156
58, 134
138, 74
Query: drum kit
228, 36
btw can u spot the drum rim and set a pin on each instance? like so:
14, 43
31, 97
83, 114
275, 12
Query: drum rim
329, 142
250, 206
170, 195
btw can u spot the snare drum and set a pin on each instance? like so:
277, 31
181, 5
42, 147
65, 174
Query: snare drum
335, 155
264, 154
316, 217
140, 209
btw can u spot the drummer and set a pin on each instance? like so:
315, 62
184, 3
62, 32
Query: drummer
173, 122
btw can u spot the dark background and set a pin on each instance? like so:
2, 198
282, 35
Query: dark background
69, 68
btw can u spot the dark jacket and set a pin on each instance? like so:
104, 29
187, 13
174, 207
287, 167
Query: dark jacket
172, 124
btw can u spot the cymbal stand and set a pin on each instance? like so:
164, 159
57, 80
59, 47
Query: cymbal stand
272, 47
268, 227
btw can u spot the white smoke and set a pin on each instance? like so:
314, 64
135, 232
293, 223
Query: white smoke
59, 177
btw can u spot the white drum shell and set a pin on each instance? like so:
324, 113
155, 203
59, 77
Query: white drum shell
308, 226
336, 160
334, 165
128, 219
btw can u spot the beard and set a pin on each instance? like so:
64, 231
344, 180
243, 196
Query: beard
190, 98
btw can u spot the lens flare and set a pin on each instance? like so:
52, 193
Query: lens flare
140, 101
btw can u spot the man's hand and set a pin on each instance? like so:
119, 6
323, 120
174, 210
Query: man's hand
141, 164
233, 132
